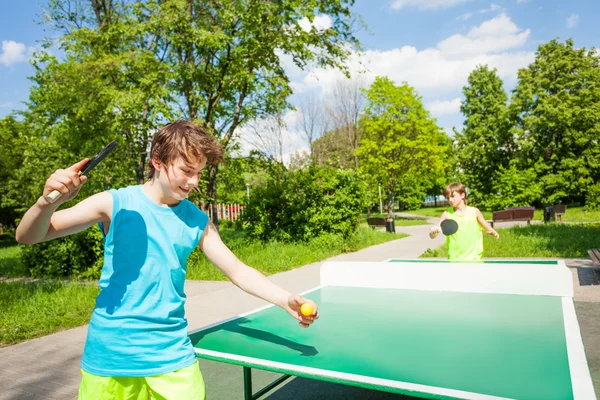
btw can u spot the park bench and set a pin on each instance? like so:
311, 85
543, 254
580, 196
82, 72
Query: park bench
375, 222
560, 211
513, 214
595, 256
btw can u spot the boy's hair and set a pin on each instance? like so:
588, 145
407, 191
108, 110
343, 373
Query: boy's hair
186, 140
455, 187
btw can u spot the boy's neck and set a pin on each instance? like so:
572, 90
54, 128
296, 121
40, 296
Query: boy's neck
460, 207
155, 193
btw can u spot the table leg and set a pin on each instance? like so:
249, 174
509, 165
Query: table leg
248, 395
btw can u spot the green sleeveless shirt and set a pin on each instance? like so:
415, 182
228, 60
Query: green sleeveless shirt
467, 243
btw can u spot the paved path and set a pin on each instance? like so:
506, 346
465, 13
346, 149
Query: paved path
48, 367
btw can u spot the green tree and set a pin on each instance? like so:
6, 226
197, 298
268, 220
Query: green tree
401, 143
333, 149
139, 64
555, 109
305, 204
482, 146
513, 187
11, 159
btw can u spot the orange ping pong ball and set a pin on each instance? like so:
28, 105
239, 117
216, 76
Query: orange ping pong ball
307, 309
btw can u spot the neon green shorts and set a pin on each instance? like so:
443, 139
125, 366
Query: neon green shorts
182, 384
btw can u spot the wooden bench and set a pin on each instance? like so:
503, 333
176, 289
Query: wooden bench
375, 222
513, 214
559, 211
595, 256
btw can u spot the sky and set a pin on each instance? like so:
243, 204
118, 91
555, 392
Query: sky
432, 45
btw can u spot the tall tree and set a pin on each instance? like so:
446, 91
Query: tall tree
482, 145
215, 62
401, 144
555, 108
313, 121
11, 158
347, 103
268, 136
333, 149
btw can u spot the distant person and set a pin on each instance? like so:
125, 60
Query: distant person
467, 243
137, 344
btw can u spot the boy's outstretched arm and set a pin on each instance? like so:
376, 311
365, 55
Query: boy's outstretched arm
436, 229
42, 222
250, 280
484, 224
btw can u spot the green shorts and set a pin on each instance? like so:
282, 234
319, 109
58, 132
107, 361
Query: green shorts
182, 384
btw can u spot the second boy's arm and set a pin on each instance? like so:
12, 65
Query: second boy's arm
248, 279
435, 230
484, 224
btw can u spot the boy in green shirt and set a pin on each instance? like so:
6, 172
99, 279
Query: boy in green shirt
467, 243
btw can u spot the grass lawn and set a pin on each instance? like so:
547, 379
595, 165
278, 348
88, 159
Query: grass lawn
10, 262
30, 309
539, 240
274, 257
33, 309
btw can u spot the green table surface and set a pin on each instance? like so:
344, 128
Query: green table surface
495, 344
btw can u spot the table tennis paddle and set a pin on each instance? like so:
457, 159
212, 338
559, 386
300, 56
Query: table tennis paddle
55, 195
449, 227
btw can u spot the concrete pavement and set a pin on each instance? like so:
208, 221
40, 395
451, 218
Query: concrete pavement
48, 367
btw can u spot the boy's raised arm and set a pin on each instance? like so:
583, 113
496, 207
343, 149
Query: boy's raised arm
42, 222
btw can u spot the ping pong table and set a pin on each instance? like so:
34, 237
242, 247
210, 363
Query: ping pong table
430, 329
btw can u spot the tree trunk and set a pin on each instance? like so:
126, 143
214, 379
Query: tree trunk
390, 216
211, 191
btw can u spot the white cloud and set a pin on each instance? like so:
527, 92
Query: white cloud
522, 1
466, 16
426, 4
444, 69
495, 35
8, 104
320, 22
445, 107
14, 53
572, 21
437, 73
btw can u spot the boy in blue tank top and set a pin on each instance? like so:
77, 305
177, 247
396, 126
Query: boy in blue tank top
137, 345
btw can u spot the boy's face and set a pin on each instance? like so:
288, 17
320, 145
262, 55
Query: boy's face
456, 198
180, 177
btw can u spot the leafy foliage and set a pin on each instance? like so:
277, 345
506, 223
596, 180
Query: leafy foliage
513, 187
75, 256
555, 109
402, 148
481, 146
306, 204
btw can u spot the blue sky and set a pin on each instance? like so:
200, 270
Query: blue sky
431, 44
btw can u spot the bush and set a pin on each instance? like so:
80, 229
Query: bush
514, 187
305, 204
78, 256
592, 198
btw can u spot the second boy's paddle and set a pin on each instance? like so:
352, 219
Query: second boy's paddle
449, 227
55, 195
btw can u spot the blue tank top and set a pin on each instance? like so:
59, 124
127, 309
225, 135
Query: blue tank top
138, 327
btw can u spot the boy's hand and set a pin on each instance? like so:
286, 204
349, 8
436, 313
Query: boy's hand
293, 308
435, 230
66, 181
494, 234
